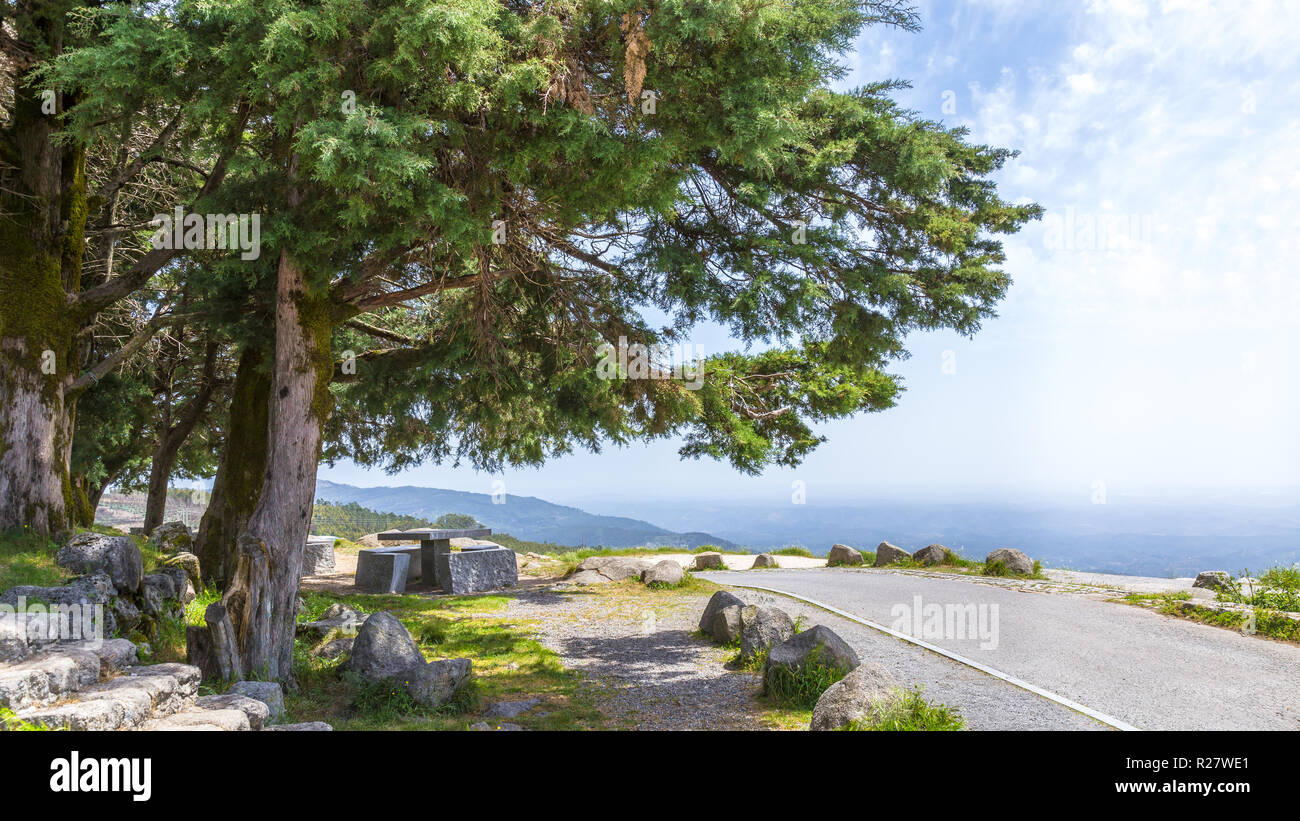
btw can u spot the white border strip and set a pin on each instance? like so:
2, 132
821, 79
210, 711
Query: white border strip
1024, 685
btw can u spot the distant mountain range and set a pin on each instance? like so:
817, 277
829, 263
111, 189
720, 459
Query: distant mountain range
523, 517
1160, 540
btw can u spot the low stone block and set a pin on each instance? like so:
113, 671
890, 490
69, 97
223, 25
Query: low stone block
666, 572
318, 557
380, 572
473, 571
1213, 580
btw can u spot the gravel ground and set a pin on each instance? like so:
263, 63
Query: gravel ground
645, 671
653, 675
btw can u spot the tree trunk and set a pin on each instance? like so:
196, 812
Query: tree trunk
238, 484
43, 200
169, 444
35, 488
263, 595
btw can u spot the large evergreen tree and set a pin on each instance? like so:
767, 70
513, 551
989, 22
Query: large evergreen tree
476, 195
71, 203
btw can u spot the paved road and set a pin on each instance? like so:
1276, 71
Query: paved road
1149, 670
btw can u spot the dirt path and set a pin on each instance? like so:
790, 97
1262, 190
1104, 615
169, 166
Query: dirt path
645, 671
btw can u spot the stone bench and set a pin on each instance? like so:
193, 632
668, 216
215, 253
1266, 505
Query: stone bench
382, 570
476, 569
319, 556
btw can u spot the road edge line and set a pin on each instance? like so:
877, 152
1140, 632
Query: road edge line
983, 668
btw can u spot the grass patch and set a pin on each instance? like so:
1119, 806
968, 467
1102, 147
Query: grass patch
908, 711
1269, 623
509, 664
1141, 598
753, 664
801, 686
28, 558
793, 551
385, 702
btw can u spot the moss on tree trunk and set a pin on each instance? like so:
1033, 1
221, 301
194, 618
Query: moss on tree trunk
238, 484
43, 198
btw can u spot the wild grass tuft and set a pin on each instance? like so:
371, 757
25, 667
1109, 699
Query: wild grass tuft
800, 687
908, 711
793, 551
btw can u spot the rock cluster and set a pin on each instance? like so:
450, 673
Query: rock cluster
384, 651
863, 689
112, 583
600, 569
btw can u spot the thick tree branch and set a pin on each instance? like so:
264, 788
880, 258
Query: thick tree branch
123, 353
90, 302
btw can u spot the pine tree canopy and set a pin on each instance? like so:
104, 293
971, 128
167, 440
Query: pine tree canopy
483, 193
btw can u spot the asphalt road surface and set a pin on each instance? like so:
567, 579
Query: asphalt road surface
1152, 671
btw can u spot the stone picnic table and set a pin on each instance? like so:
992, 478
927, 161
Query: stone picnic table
473, 569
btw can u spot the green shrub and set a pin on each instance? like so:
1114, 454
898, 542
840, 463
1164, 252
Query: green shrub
1277, 588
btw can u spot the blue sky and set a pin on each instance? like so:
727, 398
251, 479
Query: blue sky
1155, 354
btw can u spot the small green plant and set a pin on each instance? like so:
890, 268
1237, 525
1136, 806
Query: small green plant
1277, 588
11, 722
194, 610
389, 700
754, 663
800, 687
687, 580
793, 551
907, 710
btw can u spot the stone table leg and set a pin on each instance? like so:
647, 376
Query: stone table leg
429, 551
